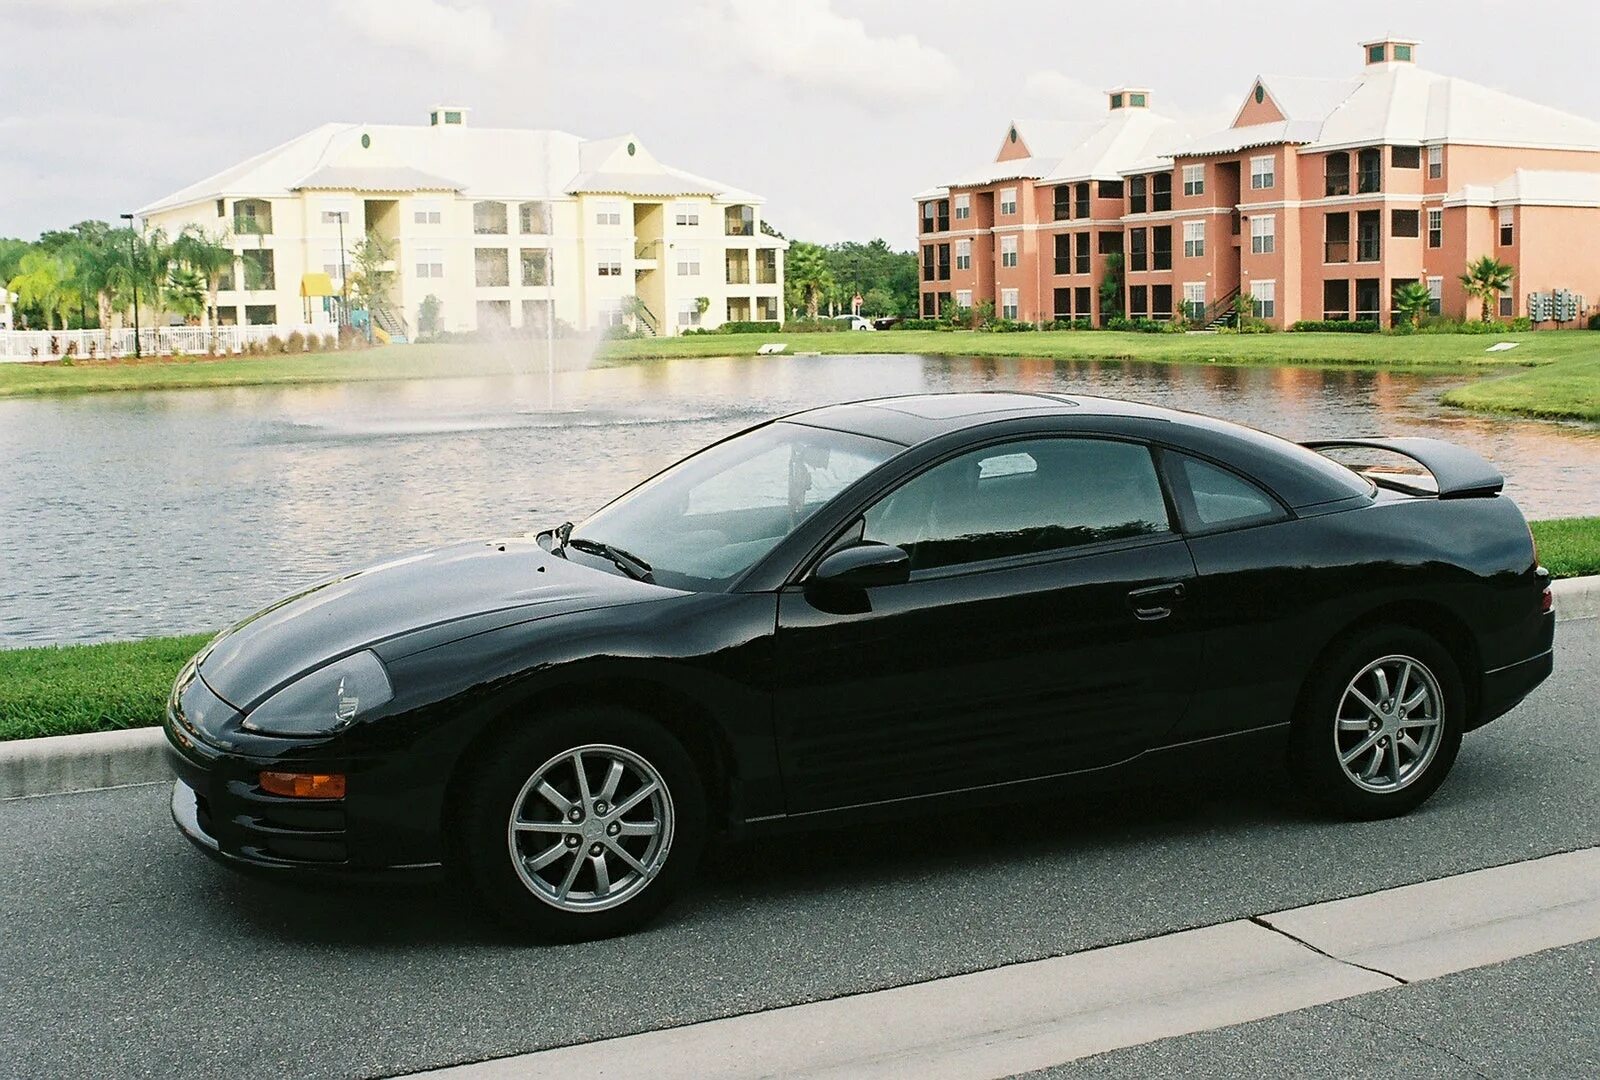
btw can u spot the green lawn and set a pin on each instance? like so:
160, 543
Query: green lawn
1565, 380
78, 688
1567, 390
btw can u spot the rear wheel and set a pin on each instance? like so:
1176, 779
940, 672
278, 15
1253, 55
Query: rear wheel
583, 826
1380, 723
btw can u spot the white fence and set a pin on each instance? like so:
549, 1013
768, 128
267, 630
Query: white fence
42, 345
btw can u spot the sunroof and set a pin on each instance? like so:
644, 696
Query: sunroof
947, 406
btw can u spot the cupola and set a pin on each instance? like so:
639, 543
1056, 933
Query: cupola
1128, 97
448, 116
1389, 50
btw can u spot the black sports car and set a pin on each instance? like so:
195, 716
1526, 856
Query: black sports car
859, 607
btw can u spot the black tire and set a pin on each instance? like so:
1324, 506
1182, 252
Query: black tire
482, 846
1315, 747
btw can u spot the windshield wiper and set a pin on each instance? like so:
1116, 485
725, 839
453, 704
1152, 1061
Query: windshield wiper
559, 537
628, 563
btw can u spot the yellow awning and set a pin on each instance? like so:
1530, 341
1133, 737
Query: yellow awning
316, 285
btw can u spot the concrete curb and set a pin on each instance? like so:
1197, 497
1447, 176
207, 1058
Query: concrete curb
66, 763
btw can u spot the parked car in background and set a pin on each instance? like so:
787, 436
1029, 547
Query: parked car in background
888, 322
855, 322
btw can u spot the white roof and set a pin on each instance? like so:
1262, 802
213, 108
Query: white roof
507, 163
1028, 168
1122, 138
1532, 187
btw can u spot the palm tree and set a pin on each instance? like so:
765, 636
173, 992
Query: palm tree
186, 291
1486, 278
42, 283
208, 256
1412, 301
806, 268
103, 272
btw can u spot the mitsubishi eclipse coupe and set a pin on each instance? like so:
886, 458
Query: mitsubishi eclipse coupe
856, 608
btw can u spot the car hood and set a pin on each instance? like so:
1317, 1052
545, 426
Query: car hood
403, 604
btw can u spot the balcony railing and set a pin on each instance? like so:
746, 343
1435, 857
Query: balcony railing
1336, 251
1338, 183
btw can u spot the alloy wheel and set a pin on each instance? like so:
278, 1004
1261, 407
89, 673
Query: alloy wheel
1389, 724
590, 828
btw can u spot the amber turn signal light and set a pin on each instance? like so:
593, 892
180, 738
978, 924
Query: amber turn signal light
304, 785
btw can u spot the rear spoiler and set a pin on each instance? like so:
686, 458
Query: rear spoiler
1458, 472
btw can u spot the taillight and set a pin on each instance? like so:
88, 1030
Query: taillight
1547, 602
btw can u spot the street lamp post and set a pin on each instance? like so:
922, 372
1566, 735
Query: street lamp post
133, 276
344, 277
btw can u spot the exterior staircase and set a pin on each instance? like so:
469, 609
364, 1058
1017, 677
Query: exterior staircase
389, 326
1220, 312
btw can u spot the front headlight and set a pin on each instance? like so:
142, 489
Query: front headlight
327, 700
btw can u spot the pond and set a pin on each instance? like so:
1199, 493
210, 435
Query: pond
131, 514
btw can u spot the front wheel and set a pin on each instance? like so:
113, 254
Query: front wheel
1380, 724
583, 826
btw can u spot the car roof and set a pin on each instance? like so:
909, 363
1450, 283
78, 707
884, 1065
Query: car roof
1299, 476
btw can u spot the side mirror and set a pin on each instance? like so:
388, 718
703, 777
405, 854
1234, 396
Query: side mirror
863, 566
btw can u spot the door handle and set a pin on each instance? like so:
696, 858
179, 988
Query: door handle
1155, 601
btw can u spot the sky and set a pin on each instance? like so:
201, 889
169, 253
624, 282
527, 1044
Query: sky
837, 111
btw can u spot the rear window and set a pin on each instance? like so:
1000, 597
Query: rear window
1220, 499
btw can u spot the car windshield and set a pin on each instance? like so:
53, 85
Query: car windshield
709, 518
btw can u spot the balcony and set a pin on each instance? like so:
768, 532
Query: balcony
647, 256
766, 266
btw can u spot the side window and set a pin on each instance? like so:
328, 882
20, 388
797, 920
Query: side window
1221, 499
1022, 498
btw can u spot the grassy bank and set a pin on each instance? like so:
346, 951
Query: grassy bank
1566, 390
78, 688
1568, 364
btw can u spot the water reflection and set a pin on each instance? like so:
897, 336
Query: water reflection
124, 515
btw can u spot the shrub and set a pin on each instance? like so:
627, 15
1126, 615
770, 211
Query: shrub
1008, 326
917, 324
1067, 324
742, 327
330, 342
814, 326
1475, 326
1594, 321
1335, 326
1141, 325
296, 342
275, 344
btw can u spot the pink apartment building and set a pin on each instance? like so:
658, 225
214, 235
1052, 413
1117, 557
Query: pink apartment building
1322, 197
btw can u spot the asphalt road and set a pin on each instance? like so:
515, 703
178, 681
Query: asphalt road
1537, 1016
124, 952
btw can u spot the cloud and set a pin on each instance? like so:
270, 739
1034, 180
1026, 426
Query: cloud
807, 44
1057, 95
447, 33
89, 7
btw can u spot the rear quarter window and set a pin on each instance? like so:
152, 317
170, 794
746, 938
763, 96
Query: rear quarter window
1219, 499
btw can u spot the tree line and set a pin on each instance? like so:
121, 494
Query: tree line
824, 279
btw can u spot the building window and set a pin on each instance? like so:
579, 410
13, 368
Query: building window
491, 267
1336, 174
1161, 192
1080, 253
1108, 242
535, 314
1080, 202
336, 212
964, 256
1435, 228
1008, 201
766, 266
536, 267
686, 215
1263, 234
610, 312
1507, 233
928, 311
1369, 236
1008, 251
963, 298
1402, 52
1264, 299
1194, 299
1138, 302
1406, 157
494, 314
1336, 238
260, 314
767, 308
944, 262
944, 215
1161, 301
1116, 101
1435, 295
1336, 300
430, 262
1082, 306
332, 265
927, 262
260, 272
736, 266
1109, 189
1405, 222
430, 212
1194, 179
1062, 306
963, 207
1062, 204
252, 217
927, 217
1194, 239
1008, 303
1369, 167
1369, 299
688, 262
610, 262
1136, 194
689, 312
1377, 54
1435, 162
739, 221
1263, 172
608, 213
1137, 101
1063, 263
1138, 249
489, 218
1161, 249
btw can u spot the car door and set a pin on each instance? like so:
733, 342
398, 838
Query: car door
1043, 630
